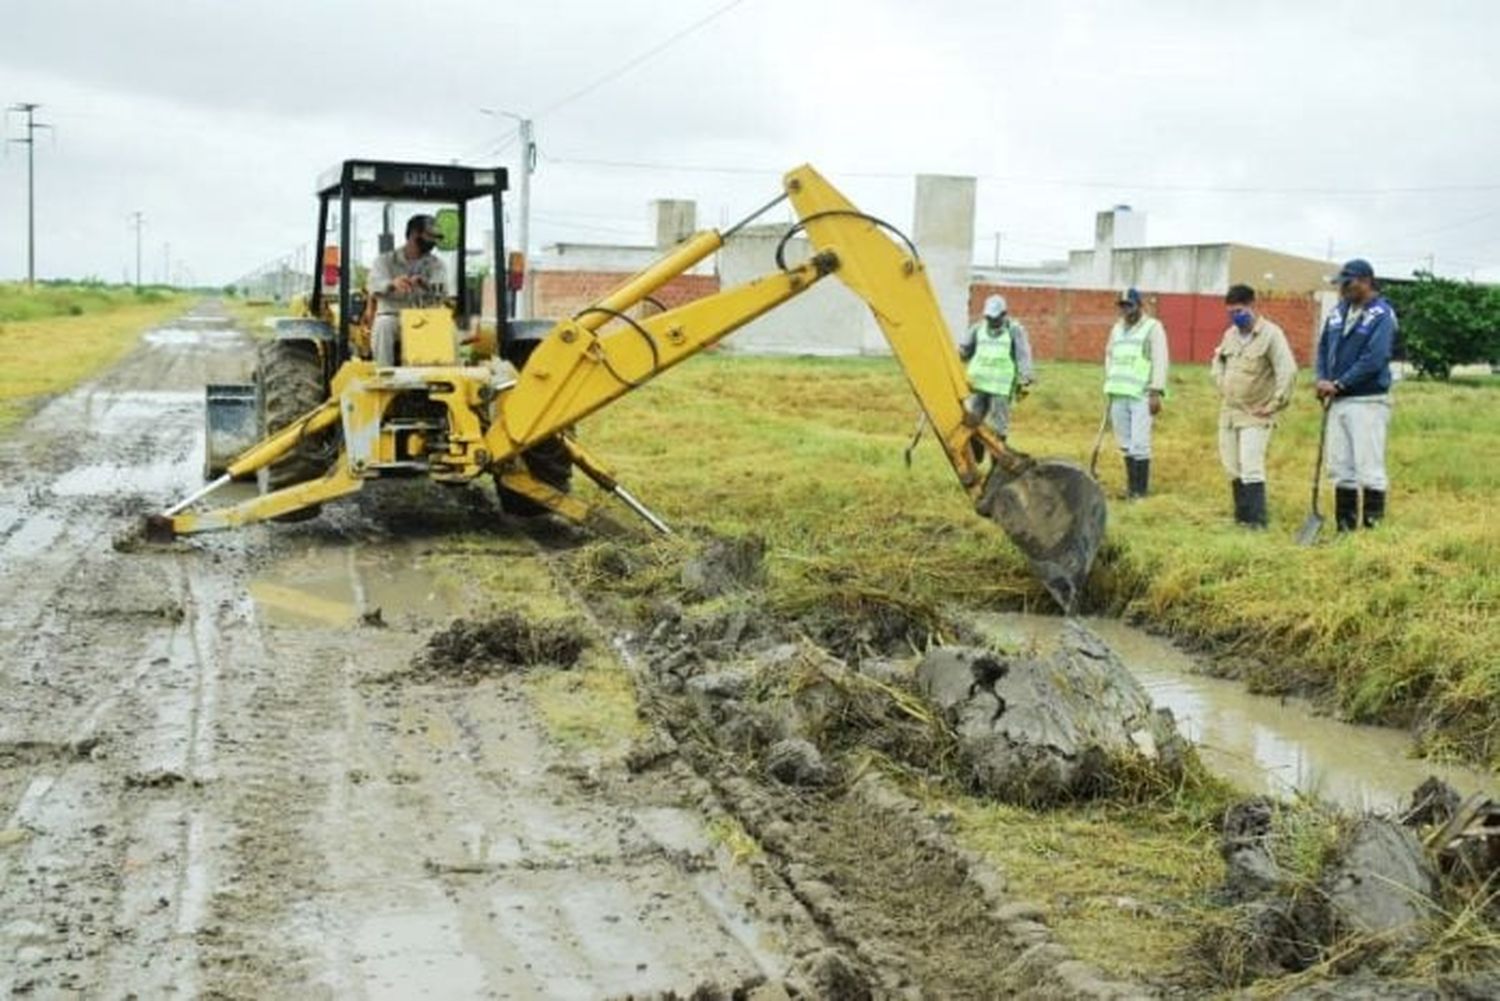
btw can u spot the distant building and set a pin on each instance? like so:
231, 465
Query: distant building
1120, 258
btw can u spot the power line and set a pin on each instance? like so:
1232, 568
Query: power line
635, 61
29, 110
1128, 185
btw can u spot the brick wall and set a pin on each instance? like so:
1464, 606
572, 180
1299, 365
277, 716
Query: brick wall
1073, 324
558, 294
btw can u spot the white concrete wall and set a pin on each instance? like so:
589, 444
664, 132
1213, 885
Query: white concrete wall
1202, 269
827, 319
943, 230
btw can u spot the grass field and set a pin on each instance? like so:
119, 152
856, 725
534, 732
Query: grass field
1397, 626
55, 336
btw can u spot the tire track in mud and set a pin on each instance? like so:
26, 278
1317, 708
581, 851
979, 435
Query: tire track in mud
906, 911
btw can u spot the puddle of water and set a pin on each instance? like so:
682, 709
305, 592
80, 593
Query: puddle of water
35, 535
1260, 743
336, 586
208, 338
161, 477
417, 953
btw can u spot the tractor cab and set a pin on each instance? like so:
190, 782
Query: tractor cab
333, 323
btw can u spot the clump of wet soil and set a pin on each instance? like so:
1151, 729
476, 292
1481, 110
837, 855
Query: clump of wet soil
725, 564
1075, 724
1309, 888
470, 650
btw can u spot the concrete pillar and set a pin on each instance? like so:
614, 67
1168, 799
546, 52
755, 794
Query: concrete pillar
944, 235
1104, 250
673, 220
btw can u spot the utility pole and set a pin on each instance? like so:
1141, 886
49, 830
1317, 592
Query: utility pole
166, 262
29, 110
139, 223
997, 248
523, 208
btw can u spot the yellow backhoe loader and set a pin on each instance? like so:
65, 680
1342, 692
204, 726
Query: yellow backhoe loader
453, 418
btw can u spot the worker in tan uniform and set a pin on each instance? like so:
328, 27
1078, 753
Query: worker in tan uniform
1255, 372
408, 276
1135, 380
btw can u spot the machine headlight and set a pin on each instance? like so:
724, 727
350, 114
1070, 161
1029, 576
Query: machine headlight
484, 178
364, 172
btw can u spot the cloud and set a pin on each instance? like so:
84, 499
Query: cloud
1249, 123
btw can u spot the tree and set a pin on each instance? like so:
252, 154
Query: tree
1446, 323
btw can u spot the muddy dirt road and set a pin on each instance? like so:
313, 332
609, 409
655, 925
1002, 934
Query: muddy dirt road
204, 792
218, 777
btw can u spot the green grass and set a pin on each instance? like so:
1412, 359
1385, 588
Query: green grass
54, 336
1395, 625
19, 303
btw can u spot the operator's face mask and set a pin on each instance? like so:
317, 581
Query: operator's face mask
1242, 318
425, 245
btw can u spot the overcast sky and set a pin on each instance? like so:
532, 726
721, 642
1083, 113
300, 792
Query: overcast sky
1284, 124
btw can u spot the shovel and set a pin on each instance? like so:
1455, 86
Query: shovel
1308, 533
1099, 441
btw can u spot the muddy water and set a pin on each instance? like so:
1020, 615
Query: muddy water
1260, 743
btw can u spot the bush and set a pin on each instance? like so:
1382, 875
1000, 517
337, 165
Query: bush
1446, 323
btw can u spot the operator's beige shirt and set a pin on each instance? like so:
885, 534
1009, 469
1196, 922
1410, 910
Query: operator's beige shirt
1254, 373
393, 264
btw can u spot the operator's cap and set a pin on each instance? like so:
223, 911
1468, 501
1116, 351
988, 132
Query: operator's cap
1130, 297
1356, 268
995, 307
424, 224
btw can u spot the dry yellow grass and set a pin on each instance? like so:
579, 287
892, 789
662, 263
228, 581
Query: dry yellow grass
41, 357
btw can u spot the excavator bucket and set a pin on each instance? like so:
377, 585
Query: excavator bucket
229, 425
1054, 512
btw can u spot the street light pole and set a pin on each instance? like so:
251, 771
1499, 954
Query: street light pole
139, 223
523, 209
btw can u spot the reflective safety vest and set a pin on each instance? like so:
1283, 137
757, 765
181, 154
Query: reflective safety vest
1128, 367
992, 369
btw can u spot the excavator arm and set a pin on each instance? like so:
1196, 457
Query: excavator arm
1052, 510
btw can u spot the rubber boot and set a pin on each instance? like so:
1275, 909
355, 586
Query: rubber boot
1239, 501
1130, 478
1346, 508
1255, 505
1374, 507
1143, 471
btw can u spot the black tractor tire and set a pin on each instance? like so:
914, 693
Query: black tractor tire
288, 385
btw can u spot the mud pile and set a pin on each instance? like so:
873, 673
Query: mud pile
1032, 731
1360, 896
469, 650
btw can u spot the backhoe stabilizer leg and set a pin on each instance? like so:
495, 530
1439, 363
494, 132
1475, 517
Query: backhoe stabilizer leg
596, 471
178, 520
338, 482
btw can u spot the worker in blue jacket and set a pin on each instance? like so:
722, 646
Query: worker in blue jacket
1354, 382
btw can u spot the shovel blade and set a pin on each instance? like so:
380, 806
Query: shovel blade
1055, 514
1308, 533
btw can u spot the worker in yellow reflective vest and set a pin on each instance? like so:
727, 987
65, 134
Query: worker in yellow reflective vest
999, 356
1135, 380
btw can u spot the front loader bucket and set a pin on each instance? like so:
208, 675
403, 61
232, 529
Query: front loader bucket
229, 426
1054, 512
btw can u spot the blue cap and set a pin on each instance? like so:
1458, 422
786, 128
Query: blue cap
1130, 297
1357, 268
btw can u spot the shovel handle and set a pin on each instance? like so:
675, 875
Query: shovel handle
1318, 468
1099, 441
